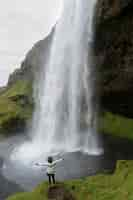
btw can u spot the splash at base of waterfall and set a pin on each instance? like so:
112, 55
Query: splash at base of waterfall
29, 152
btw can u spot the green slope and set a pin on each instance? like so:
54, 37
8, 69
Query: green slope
16, 106
116, 125
118, 186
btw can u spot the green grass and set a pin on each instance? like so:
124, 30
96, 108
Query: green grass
118, 186
21, 87
10, 109
116, 125
107, 187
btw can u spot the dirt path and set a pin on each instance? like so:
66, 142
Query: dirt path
59, 192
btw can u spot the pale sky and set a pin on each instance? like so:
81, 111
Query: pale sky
23, 23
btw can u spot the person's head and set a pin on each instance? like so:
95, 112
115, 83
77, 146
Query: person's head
50, 159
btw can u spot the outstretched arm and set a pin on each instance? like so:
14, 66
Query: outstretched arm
59, 160
41, 164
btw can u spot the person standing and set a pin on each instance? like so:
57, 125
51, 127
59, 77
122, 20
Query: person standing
51, 168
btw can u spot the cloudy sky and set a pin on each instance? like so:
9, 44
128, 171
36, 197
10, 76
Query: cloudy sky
22, 23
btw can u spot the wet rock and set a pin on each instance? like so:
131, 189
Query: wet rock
113, 51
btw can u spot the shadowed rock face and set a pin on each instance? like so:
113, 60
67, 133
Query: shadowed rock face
108, 9
114, 54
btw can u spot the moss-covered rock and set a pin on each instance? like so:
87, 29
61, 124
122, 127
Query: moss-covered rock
116, 125
117, 186
16, 107
16, 102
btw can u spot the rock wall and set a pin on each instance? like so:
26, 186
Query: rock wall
113, 52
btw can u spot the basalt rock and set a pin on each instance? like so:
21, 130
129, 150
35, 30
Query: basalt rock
113, 51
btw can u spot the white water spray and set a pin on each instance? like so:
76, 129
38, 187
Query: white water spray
62, 121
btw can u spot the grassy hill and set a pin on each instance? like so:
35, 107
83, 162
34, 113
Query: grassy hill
116, 125
16, 106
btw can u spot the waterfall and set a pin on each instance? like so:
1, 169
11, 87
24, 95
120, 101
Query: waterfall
62, 120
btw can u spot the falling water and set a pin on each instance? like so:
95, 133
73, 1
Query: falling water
63, 116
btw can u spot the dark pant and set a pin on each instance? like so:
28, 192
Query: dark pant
51, 177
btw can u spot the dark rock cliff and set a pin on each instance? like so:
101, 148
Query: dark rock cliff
113, 51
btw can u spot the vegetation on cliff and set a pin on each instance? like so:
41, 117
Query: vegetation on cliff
116, 125
115, 186
16, 102
16, 106
114, 55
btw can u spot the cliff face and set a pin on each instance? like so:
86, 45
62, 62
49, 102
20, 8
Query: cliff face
114, 54
16, 99
34, 59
